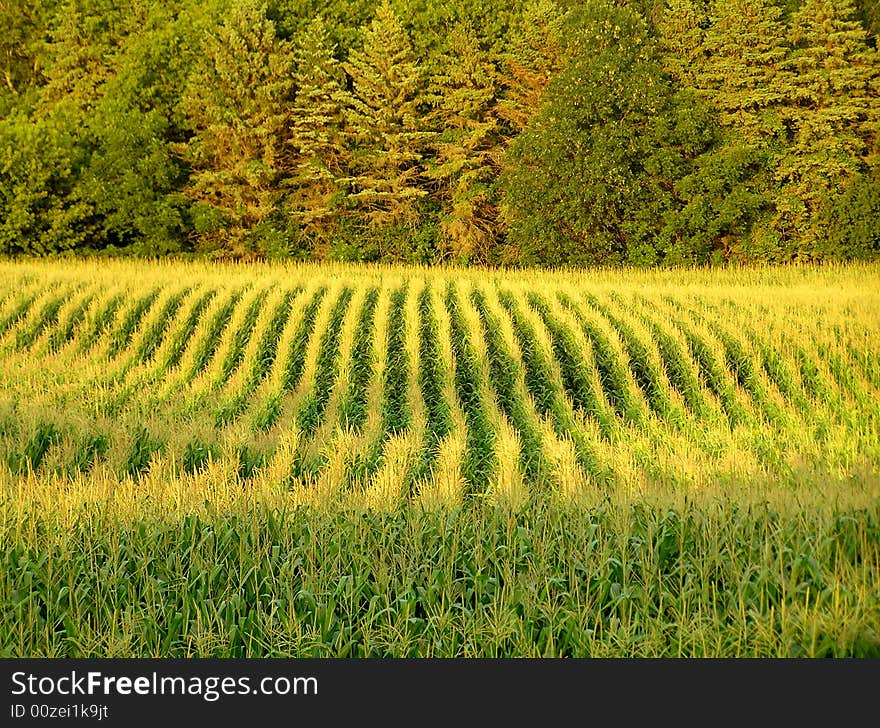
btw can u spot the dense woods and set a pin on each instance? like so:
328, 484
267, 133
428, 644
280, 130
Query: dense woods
530, 132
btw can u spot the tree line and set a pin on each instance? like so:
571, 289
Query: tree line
534, 132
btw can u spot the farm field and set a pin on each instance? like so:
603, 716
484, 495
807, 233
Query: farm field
326, 460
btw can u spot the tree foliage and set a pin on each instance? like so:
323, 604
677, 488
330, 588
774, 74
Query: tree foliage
316, 140
838, 112
612, 153
468, 149
527, 132
387, 123
41, 209
238, 106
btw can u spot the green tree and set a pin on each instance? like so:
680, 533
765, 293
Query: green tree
25, 25
851, 220
108, 123
837, 116
534, 57
132, 181
869, 12
720, 196
590, 179
317, 142
238, 106
84, 41
133, 178
745, 74
736, 57
387, 123
681, 33
726, 194
40, 164
431, 21
342, 18
469, 147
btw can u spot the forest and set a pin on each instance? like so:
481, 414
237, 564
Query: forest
531, 132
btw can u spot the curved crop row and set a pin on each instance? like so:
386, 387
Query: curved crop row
312, 409
502, 376
353, 409
121, 337
576, 379
611, 373
643, 368
547, 397
183, 336
371, 387
211, 339
480, 456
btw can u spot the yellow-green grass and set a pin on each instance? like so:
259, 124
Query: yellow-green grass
362, 460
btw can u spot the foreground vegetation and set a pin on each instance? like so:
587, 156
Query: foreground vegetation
719, 578
330, 460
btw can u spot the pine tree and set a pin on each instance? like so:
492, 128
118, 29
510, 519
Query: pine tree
316, 134
80, 55
681, 34
745, 71
534, 58
21, 53
386, 122
469, 147
238, 104
869, 12
837, 113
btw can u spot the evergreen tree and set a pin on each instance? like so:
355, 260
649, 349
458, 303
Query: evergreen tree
681, 32
469, 147
534, 57
83, 45
316, 134
869, 12
727, 192
431, 21
238, 105
836, 119
745, 73
735, 57
387, 123
25, 24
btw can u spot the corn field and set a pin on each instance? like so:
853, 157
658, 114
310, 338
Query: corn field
376, 387
162, 392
